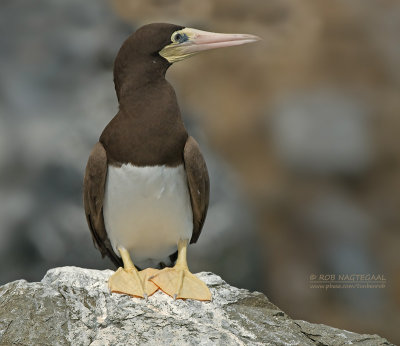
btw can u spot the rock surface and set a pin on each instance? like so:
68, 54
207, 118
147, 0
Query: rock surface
73, 306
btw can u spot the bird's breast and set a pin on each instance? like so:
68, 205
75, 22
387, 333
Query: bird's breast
147, 210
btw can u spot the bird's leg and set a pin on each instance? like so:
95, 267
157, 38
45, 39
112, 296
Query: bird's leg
179, 282
128, 280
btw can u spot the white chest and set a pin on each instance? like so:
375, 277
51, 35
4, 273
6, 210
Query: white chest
147, 210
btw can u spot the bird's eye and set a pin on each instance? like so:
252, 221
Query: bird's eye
179, 38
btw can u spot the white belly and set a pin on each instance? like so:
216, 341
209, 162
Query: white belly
147, 210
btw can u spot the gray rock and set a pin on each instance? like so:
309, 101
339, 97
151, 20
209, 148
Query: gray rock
73, 306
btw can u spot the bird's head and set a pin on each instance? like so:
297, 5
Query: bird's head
175, 43
185, 42
149, 52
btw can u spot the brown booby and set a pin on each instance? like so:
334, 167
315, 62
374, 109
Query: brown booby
146, 185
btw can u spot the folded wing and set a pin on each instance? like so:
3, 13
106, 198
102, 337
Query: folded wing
199, 185
93, 196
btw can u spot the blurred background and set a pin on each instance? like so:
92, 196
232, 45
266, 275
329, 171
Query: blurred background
301, 133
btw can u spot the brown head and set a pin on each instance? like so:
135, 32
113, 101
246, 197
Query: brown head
148, 129
147, 53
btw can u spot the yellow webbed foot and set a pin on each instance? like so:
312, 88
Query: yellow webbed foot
134, 283
180, 283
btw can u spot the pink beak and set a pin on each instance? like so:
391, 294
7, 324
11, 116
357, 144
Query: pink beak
202, 40
195, 41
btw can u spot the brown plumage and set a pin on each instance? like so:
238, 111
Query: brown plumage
93, 195
147, 131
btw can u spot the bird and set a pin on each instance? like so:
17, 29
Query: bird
146, 184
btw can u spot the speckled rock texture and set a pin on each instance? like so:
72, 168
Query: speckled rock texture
72, 306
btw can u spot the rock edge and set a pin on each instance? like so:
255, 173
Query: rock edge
72, 306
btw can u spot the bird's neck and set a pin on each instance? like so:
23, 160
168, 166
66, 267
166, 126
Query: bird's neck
148, 129
136, 78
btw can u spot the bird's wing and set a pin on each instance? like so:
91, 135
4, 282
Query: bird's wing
93, 196
199, 184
